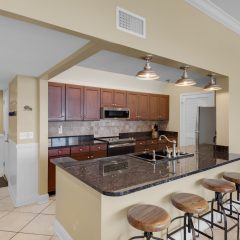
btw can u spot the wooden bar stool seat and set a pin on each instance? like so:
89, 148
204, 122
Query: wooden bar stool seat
222, 188
218, 185
233, 177
189, 203
149, 219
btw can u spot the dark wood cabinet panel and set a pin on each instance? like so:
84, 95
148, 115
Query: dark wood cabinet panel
91, 103
143, 106
98, 147
164, 107
51, 177
113, 98
154, 107
107, 98
79, 149
74, 102
120, 98
132, 104
56, 102
98, 154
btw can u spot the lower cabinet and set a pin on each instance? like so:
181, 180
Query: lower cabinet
78, 152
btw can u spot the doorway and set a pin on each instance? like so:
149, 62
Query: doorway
189, 103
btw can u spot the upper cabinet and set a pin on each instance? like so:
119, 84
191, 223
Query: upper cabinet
91, 103
158, 107
56, 102
138, 104
113, 98
74, 102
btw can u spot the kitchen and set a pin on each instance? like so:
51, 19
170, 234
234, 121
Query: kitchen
197, 44
136, 133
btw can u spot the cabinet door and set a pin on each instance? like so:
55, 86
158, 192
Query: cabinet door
164, 107
56, 102
91, 103
153, 107
120, 98
132, 104
143, 106
74, 102
51, 177
107, 98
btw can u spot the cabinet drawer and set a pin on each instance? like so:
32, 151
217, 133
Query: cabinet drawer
141, 143
98, 154
79, 149
58, 152
153, 141
98, 147
80, 156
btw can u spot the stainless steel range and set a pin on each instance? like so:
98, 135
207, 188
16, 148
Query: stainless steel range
119, 146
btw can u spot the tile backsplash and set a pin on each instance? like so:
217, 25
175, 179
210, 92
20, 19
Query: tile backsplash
102, 128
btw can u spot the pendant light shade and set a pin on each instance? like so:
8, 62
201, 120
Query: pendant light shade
212, 85
147, 73
185, 81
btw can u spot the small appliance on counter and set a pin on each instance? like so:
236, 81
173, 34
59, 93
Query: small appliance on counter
155, 133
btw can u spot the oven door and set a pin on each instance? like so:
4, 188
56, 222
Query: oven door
120, 149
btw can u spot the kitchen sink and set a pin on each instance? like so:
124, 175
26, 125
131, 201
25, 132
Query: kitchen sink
160, 156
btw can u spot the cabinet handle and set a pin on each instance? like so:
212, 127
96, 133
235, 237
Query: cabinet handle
59, 152
99, 148
91, 156
88, 157
140, 143
80, 149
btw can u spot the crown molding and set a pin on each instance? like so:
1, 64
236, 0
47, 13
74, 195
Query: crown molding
217, 13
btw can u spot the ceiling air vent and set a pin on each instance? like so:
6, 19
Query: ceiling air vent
131, 23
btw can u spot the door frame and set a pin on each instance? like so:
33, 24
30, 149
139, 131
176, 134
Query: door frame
212, 103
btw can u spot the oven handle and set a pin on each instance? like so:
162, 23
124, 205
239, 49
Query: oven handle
121, 145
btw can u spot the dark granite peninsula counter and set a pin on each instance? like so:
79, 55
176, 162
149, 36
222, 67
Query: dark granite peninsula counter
86, 190
120, 175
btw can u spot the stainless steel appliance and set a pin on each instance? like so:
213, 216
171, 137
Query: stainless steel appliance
115, 113
206, 128
119, 146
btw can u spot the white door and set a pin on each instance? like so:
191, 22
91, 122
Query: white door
188, 114
5, 128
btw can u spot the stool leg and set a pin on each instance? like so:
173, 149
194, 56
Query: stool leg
212, 204
225, 221
230, 203
185, 227
192, 228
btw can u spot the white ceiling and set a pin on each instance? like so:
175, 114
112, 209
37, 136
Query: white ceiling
118, 63
227, 12
28, 49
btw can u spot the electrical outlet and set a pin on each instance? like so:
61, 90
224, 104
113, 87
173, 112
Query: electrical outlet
60, 129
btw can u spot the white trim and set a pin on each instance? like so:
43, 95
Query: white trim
43, 198
60, 231
217, 13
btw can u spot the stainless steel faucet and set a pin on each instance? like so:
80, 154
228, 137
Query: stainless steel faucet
171, 141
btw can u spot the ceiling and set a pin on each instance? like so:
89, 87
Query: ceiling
122, 64
28, 49
227, 12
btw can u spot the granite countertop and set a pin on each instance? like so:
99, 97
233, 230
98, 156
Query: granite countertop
129, 174
71, 141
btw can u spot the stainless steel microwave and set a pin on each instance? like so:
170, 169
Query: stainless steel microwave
115, 113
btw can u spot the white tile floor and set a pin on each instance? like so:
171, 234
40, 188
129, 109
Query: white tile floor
32, 222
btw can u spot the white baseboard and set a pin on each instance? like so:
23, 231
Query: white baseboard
43, 198
61, 232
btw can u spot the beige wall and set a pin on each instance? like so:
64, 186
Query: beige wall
1, 112
23, 91
194, 43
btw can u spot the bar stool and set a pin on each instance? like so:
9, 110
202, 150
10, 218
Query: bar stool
190, 204
221, 188
149, 219
233, 177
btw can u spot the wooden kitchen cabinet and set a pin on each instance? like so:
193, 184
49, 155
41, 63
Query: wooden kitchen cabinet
158, 107
91, 103
113, 98
74, 102
56, 101
138, 103
54, 153
164, 107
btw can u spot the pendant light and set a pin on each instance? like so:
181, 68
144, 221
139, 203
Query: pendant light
185, 81
147, 73
212, 86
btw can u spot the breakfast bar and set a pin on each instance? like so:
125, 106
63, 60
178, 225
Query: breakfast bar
96, 194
